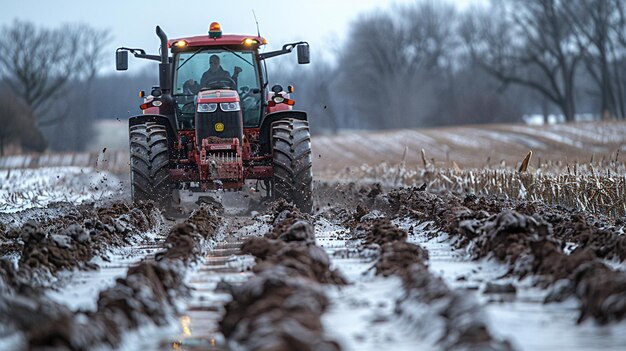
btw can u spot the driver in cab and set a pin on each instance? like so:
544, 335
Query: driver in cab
215, 74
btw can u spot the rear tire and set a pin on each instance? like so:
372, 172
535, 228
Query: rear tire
149, 164
291, 153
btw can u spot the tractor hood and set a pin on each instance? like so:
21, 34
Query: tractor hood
213, 96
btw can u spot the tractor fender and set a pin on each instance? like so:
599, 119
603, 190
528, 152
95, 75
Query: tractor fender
170, 127
266, 126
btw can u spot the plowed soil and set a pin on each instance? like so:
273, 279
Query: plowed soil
278, 285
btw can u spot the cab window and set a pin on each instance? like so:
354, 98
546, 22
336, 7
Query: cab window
191, 66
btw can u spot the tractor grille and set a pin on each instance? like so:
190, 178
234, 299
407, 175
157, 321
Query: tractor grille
207, 125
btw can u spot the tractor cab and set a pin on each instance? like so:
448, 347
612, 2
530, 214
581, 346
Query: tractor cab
217, 62
222, 70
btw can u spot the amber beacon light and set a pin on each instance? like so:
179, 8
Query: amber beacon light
215, 30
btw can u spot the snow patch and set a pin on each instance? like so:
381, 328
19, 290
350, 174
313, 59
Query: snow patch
21, 189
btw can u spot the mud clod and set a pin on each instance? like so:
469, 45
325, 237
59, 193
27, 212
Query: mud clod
507, 235
262, 248
298, 231
495, 288
308, 261
382, 231
276, 311
396, 257
281, 306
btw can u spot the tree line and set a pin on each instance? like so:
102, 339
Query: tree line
418, 65
429, 64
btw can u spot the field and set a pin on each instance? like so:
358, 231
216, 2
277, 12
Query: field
433, 239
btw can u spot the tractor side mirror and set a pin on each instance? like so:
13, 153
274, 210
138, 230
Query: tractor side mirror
121, 60
303, 54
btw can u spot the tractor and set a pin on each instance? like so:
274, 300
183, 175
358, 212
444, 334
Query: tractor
213, 123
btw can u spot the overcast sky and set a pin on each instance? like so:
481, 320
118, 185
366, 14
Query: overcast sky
323, 23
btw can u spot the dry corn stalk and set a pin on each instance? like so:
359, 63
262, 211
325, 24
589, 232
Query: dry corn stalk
524, 166
456, 166
424, 158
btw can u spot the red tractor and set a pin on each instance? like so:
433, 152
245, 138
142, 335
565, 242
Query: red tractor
212, 123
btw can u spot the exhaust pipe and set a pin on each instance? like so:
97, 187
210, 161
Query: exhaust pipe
164, 66
165, 80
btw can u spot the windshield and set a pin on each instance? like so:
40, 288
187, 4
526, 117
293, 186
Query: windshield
218, 68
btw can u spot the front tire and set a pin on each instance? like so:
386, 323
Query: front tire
291, 154
149, 164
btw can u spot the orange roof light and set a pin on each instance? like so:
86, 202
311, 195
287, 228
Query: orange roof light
215, 30
180, 44
250, 41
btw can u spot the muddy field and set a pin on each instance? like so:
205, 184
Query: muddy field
403, 255
373, 267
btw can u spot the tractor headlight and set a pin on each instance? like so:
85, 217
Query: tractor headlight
207, 107
230, 106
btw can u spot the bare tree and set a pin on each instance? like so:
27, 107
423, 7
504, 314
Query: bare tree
527, 42
618, 51
17, 124
369, 69
597, 28
390, 61
38, 64
10, 120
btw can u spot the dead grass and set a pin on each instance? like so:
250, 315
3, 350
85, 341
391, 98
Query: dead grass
597, 188
577, 165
